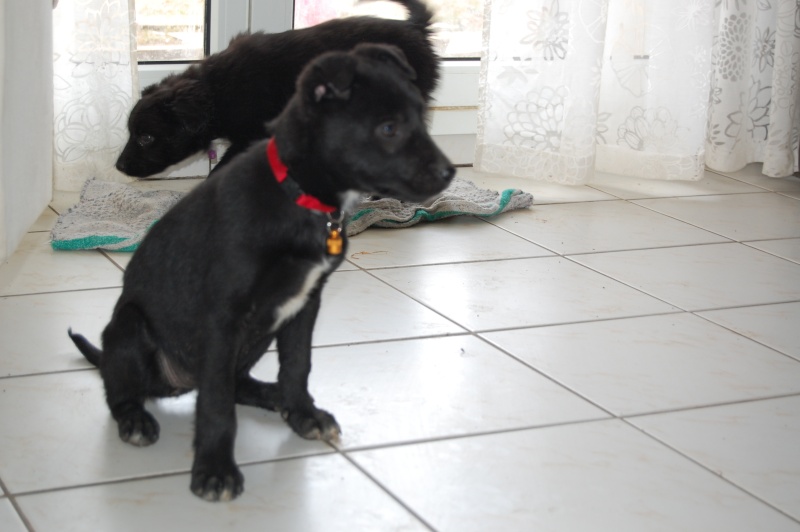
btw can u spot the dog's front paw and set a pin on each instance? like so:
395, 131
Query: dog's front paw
138, 428
314, 424
217, 483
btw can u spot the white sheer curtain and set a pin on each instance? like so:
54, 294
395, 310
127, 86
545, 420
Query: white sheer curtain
754, 113
96, 84
653, 89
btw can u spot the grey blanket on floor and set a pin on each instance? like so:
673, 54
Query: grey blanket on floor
115, 216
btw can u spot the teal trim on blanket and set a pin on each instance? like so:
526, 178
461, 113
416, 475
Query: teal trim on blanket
422, 214
359, 214
505, 199
131, 248
97, 242
89, 242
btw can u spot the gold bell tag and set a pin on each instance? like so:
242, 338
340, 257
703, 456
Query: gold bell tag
334, 241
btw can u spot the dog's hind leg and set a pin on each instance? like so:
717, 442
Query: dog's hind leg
294, 354
249, 390
127, 369
253, 392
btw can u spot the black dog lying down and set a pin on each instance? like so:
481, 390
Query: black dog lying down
242, 259
232, 94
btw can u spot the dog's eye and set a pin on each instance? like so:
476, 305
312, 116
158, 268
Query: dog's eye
389, 129
145, 140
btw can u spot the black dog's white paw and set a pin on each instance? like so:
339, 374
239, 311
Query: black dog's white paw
217, 483
138, 428
313, 424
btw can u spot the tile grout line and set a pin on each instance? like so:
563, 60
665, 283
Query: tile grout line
623, 283
46, 373
740, 180
476, 434
558, 424
160, 475
742, 335
455, 263
550, 378
692, 224
109, 482
386, 490
14, 504
708, 469
749, 243
676, 305
721, 404
577, 322
52, 292
465, 330
633, 316
652, 248
105, 254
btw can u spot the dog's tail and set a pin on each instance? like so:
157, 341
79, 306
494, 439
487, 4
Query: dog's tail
418, 13
92, 353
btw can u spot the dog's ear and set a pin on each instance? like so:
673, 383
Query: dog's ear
386, 53
330, 77
150, 89
191, 104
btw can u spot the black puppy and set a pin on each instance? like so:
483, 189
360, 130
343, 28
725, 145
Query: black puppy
242, 259
232, 94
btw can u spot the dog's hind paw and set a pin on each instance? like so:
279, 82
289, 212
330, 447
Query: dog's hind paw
138, 428
315, 424
224, 485
250, 391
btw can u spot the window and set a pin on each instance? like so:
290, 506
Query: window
459, 27
176, 30
457, 23
171, 30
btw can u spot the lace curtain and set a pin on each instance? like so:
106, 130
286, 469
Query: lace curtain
755, 87
648, 89
95, 84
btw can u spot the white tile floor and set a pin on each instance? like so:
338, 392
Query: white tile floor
621, 356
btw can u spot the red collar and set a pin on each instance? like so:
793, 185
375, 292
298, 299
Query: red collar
293, 189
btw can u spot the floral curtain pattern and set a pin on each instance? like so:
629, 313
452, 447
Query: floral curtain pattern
754, 94
649, 89
95, 83
539, 87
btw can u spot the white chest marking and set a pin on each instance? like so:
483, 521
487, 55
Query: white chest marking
294, 304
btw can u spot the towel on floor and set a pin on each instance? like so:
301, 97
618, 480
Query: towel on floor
115, 216
462, 197
111, 216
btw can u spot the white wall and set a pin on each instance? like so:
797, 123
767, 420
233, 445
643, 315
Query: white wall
26, 117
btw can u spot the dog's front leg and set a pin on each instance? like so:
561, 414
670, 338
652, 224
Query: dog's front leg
215, 476
294, 354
